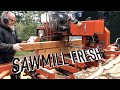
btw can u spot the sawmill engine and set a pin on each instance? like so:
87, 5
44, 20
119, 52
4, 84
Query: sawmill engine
56, 25
59, 21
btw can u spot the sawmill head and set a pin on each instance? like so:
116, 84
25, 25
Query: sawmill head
56, 25
59, 21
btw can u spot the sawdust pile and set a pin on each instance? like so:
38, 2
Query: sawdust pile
109, 70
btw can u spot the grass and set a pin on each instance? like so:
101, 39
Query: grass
25, 53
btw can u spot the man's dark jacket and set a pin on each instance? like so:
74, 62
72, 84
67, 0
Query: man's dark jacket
7, 39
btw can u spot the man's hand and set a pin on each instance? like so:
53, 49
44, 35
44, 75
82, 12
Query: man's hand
16, 47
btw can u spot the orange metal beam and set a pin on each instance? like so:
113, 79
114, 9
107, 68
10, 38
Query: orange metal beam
113, 52
4, 73
46, 72
6, 66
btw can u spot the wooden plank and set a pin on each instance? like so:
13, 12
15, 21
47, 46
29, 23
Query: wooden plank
48, 45
64, 50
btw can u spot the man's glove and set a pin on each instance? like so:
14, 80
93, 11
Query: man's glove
16, 47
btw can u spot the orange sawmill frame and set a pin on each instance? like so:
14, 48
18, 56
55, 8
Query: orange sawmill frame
88, 28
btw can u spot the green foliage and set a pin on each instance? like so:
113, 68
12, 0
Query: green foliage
25, 31
114, 25
28, 26
115, 19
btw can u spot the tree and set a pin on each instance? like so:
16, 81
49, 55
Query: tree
27, 25
114, 25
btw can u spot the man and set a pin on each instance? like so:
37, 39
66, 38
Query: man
9, 42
